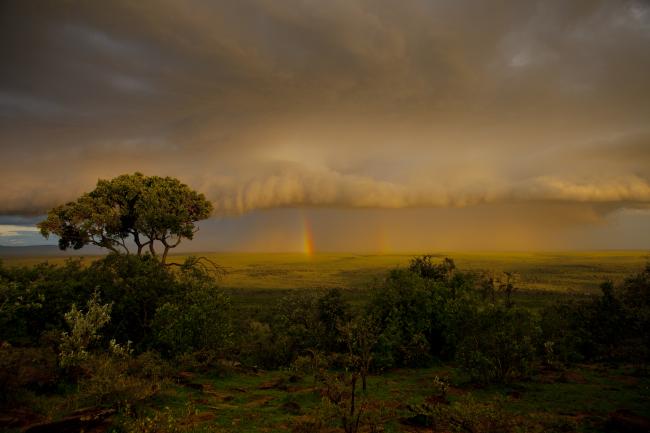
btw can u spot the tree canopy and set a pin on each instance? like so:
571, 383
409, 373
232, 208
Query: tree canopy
131, 207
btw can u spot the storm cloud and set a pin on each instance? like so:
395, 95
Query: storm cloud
346, 103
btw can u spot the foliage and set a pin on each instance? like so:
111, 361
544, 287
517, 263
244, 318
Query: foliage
167, 420
257, 346
16, 305
410, 320
197, 320
108, 380
612, 326
499, 345
332, 311
21, 368
466, 415
83, 332
360, 336
425, 268
341, 403
420, 318
144, 209
297, 317
46, 289
196, 317
635, 297
299, 323
402, 308
136, 287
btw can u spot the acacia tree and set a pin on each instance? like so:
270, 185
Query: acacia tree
143, 209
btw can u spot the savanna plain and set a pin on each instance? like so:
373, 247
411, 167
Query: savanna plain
454, 341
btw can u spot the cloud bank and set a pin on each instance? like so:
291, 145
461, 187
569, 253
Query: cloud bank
341, 104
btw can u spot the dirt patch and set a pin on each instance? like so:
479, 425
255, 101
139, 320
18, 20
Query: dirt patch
14, 418
203, 417
572, 377
280, 384
455, 391
291, 407
260, 401
627, 380
626, 421
236, 389
88, 420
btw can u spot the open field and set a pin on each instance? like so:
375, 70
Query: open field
574, 272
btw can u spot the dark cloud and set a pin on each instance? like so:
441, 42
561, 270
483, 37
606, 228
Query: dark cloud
344, 103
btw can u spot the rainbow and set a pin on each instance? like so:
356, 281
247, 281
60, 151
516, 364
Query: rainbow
307, 237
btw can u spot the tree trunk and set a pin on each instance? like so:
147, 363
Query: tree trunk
136, 239
354, 387
164, 256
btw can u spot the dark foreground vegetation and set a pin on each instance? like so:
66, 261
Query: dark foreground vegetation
128, 344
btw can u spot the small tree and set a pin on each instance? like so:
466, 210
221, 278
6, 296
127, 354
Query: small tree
84, 328
143, 209
360, 335
507, 287
424, 267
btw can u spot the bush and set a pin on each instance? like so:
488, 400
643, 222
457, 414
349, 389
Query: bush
420, 318
565, 325
83, 332
136, 287
635, 296
25, 368
108, 382
48, 289
198, 320
332, 311
613, 326
499, 345
425, 268
402, 308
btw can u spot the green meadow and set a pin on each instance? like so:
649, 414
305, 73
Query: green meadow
559, 272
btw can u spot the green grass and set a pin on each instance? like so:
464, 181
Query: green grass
577, 272
254, 280
562, 272
583, 396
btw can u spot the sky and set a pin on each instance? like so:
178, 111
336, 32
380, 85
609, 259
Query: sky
339, 125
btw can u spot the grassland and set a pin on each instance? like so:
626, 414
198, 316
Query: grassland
560, 272
572, 272
575, 400
581, 398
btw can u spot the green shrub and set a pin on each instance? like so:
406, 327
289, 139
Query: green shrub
420, 318
402, 308
22, 368
84, 328
34, 299
332, 311
200, 319
107, 381
136, 286
498, 345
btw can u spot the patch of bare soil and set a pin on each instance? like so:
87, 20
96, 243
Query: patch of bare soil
626, 421
259, 401
15, 418
87, 420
